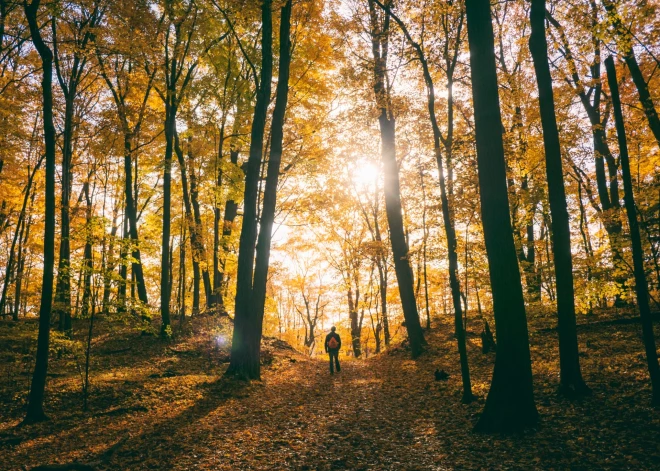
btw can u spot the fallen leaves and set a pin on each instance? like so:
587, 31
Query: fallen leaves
385, 413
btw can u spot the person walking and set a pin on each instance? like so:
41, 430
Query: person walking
332, 346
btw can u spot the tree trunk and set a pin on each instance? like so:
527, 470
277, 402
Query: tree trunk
17, 235
88, 263
446, 215
123, 268
131, 215
110, 262
35, 410
221, 240
571, 382
165, 270
400, 252
355, 326
641, 286
22, 256
246, 341
197, 221
195, 251
272, 175
510, 404
63, 288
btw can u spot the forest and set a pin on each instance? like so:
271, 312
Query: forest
194, 192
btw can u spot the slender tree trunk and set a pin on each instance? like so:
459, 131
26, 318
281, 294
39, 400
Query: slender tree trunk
20, 266
17, 235
641, 286
35, 410
110, 262
131, 215
165, 270
446, 215
63, 287
571, 382
355, 326
197, 221
510, 404
194, 242
123, 266
246, 342
382, 288
272, 177
393, 210
424, 262
88, 264
222, 243
586, 242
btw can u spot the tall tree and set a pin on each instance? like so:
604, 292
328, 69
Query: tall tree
246, 343
121, 74
179, 67
380, 31
35, 407
571, 381
446, 214
79, 22
510, 403
272, 176
591, 97
641, 286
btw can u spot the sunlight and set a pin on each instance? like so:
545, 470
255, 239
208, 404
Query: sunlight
364, 174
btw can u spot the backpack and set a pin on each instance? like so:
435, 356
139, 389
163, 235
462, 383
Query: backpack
333, 343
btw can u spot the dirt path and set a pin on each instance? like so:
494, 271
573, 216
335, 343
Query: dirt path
299, 417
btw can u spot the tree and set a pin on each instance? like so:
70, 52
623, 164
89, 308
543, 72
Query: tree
446, 214
246, 340
178, 69
35, 408
510, 402
123, 77
591, 97
571, 381
641, 287
70, 74
379, 33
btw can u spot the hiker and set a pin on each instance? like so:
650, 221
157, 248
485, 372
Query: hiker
332, 346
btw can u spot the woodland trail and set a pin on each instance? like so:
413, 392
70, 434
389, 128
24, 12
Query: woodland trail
302, 418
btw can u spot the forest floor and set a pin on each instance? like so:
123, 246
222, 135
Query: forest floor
157, 405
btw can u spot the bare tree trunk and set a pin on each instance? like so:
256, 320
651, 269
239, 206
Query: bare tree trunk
272, 174
88, 264
355, 325
246, 342
165, 269
380, 44
571, 382
510, 402
35, 409
641, 286
17, 235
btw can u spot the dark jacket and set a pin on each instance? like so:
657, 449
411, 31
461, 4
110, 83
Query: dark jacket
327, 339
